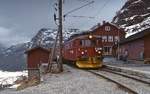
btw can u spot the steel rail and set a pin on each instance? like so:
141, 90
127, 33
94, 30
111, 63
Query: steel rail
116, 82
127, 76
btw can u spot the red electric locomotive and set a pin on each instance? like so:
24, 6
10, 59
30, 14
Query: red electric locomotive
84, 50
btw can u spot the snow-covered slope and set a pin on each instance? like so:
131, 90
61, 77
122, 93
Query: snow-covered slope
134, 16
46, 37
7, 77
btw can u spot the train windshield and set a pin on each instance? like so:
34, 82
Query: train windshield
88, 43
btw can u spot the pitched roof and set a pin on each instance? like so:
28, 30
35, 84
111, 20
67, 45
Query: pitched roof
37, 47
136, 36
110, 24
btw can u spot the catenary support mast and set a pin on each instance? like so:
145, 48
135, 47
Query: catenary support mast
60, 28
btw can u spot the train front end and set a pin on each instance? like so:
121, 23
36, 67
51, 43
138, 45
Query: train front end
90, 56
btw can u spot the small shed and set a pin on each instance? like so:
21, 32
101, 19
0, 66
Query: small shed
35, 57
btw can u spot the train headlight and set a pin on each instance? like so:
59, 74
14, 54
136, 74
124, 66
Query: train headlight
99, 52
90, 36
82, 53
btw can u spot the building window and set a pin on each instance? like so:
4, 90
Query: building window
107, 28
107, 50
104, 38
116, 38
110, 38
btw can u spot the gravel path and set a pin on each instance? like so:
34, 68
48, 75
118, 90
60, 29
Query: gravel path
71, 81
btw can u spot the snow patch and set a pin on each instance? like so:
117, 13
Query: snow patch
9, 77
146, 14
138, 1
133, 29
131, 18
123, 10
116, 20
148, 8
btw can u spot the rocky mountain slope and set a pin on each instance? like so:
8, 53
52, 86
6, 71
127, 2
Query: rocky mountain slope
45, 37
14, 58
134, 16
1, 47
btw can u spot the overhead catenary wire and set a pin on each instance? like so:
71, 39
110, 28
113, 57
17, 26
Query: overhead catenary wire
83, 0
98, 13
104, 5
95, 17
89, 2
90, 17
78, 8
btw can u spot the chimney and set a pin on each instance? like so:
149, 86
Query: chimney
98, 24
104, 22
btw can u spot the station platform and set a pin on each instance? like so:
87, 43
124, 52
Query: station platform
137, 68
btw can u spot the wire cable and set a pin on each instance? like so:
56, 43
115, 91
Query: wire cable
78, 8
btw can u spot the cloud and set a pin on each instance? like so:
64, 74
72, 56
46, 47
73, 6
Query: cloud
20, 20
4, 31
8, 37
5, 35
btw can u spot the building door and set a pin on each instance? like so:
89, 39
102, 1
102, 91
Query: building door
107, 50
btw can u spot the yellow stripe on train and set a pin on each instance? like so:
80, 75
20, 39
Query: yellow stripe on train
91, 62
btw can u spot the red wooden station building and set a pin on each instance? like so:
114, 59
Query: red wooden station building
137, 45
111, 35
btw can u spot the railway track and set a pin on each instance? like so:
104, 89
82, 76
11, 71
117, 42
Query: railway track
128, 83
116, 82
143, 80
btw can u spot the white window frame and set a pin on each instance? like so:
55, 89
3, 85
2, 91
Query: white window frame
107, 28
104, 38
116, 38
110, 39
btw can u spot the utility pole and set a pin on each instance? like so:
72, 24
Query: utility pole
60, 28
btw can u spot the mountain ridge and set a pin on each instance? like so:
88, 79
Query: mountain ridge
134, 16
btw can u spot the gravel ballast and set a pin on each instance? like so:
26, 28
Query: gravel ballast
71, 81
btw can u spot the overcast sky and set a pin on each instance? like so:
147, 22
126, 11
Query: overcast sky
20, 20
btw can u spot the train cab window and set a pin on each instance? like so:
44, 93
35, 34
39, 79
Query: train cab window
81, 42
87, 43
93, 42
